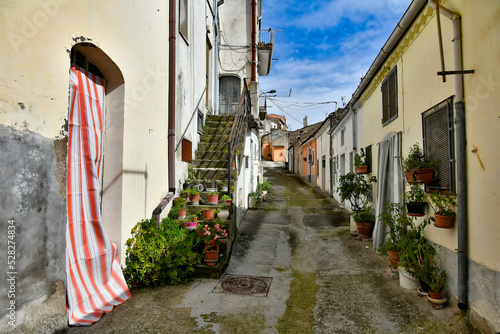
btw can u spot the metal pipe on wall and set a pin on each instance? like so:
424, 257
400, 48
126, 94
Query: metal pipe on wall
171, 94
460, 150
254, 40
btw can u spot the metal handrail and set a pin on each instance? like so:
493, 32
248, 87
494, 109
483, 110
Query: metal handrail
234, 137
195, 110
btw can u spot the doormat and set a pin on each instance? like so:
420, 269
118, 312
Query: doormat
244, 285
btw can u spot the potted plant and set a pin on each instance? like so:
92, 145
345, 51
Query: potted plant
396, 220
416, 200
194, 195
190, 222
355, 189
264, 188
360, 162
214, 237
181, 204
253, 200
364, 220
417, 164
444, 210
213, 197
436, 280
223, 210
227, 199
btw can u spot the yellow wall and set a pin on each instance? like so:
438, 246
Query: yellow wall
420, 88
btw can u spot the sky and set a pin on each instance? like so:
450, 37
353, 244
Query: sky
323, 50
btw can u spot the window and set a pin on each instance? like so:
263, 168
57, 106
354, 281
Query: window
342, 135
183, 19
187, 151
312, 158
390, 97
368, 154
439, 146
200, 121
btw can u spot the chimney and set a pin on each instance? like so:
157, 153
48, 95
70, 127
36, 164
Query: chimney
305, 121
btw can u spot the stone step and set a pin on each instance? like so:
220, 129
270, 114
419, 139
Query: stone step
209, 147
220, 118
217, 130
214, 138
210, 163
210, 155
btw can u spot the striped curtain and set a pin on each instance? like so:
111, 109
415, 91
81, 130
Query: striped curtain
95, 282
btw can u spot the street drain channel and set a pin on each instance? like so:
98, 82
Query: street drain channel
244, 285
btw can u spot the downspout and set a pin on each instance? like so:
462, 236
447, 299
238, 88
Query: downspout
216, 56
460, 148
171, 94
254, 41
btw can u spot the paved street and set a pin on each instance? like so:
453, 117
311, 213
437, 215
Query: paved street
307, 274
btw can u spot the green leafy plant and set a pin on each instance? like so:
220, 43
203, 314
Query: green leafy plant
225, 197
444, 204
174, 212
416, 193
223, 206
213, 236
159, 254
181, 203
360, 159
355, 189
213, 193
192, 173
416, 159
265, 186
396, 220
364, 215
193, 191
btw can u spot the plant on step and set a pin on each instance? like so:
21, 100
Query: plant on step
193, 191
396, 220
213, 237
355, 189
192, 173
225, 197
159, 254
412, 243
224, 205
265, 186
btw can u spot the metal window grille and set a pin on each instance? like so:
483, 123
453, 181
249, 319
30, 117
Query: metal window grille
439, 146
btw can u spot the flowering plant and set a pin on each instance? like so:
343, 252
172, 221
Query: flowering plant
213, 237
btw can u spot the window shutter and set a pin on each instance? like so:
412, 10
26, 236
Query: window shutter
187, 151
393, 95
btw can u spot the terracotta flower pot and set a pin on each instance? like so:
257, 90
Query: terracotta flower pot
213, 199
443, 221
393, 258
182, 213
436, 295
423, 175
195, 199
364, 230
208, 214
211, 257
362, 170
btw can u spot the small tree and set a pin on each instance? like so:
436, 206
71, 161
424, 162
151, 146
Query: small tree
355, 189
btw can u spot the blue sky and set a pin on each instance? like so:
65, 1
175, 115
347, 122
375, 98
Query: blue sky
325, 48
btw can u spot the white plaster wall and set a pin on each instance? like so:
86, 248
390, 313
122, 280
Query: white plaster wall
323, 148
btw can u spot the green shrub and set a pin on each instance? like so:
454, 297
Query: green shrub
159, 254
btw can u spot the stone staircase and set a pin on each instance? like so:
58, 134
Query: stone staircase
211, 161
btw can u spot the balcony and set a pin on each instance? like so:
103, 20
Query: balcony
265, 48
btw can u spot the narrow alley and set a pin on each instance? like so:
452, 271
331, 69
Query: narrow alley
305, 272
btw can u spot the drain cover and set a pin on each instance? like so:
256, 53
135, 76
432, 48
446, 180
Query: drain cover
244, 285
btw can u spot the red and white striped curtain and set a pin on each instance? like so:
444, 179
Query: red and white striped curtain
95, 282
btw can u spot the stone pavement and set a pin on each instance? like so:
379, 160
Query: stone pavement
294, 269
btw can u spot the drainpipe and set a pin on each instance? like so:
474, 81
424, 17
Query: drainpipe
254, 41
171, 94
216, 56
461, 144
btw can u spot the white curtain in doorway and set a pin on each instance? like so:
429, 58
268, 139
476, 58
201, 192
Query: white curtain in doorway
95, 282
389, 181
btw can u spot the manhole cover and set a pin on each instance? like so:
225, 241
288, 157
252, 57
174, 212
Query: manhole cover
244, 285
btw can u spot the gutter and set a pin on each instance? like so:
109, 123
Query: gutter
398, 32
460, 134
254, 40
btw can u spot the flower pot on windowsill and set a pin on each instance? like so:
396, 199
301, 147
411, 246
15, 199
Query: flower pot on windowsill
443, 221
423, 175
361, 169
416, 209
